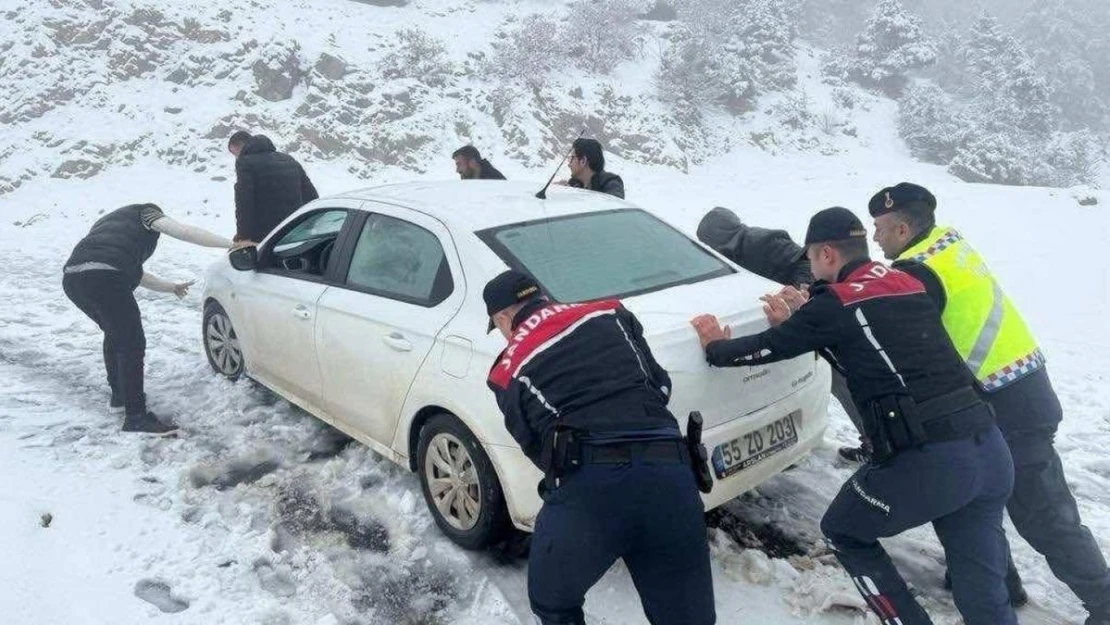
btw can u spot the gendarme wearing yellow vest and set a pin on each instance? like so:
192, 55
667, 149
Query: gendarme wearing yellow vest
983, 323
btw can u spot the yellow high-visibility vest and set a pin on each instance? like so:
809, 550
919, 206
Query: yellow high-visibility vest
982, 322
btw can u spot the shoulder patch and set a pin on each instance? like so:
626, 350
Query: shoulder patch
875, 280
545, 327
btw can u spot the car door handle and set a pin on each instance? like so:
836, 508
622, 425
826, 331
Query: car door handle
301, 312
397, 341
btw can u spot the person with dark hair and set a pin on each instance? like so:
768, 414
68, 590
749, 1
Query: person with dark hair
937, 454
772, 254
99, 278
587, 402
237, 141
269, 186
470, 165
587, 169
1004, 359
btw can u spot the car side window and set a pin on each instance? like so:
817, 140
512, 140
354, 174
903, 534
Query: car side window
400, 260
307, 247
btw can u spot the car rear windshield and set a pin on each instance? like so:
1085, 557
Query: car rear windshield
593, 256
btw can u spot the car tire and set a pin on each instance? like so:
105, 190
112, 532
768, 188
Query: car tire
221, 344
460, 485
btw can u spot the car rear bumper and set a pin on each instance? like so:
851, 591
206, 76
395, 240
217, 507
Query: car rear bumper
812, 402
519, 476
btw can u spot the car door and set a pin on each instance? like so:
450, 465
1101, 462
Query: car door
279, 301
403, 283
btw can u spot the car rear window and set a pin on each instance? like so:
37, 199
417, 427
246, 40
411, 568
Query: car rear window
599, 255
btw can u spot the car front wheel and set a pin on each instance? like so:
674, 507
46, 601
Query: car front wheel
221, 344
460, 484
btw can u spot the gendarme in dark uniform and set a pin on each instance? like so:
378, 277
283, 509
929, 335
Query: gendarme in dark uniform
587, 402
938, 456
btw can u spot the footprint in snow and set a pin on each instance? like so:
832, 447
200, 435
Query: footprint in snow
159, 594
274, 581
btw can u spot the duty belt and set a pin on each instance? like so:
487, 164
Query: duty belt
566, 451
896, 422
649, 451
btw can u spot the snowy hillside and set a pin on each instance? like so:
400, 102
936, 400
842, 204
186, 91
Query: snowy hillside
259, 514
98, 83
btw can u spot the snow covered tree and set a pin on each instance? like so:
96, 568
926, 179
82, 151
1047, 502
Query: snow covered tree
890, 47
1008, 93
420, 56
931, 123
600, 35
527, 50
729, 52
1064, 41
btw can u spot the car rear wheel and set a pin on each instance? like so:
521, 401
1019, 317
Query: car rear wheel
221, 344
459, 483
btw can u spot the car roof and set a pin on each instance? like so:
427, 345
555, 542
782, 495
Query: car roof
478, 204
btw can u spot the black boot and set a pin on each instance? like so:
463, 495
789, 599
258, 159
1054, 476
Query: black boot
858, 455
1018, 596
148, 423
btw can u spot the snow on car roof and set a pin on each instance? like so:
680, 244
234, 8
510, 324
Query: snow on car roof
478, 204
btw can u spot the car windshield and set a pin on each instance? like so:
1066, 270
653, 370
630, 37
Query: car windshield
593, 256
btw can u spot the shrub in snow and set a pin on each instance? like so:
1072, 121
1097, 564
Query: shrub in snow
526, 50
1072, 158
419, 56
729, 52
890, 47
837, 66
992, 158
600, 35
931, 123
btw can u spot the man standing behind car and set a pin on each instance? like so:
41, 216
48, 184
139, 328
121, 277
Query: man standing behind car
587, 169
269, 186
587, 402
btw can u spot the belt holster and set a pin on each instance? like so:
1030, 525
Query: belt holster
561, 456
895, 424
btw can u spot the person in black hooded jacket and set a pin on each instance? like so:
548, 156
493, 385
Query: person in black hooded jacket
269, 186
772, 254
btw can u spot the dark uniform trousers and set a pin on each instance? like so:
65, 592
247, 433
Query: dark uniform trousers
1042, 507
107, 298
648, 513
960, 486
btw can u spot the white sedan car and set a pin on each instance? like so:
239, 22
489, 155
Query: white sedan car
366, 310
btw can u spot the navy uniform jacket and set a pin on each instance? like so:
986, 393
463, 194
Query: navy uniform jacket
876, 325
581, 366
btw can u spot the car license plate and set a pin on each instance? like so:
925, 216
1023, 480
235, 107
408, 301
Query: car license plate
756, 446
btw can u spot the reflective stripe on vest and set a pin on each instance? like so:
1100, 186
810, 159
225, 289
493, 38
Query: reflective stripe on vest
982, 322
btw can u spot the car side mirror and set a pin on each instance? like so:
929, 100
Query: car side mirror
244, 258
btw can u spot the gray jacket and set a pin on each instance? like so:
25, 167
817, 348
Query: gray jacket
768, 253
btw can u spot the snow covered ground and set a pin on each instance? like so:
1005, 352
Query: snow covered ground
259, 514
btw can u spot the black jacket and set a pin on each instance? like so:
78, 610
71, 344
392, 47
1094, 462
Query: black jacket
581, 366
875, 325
488, 171
269, 186
771, 254
124, 239
604, 182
